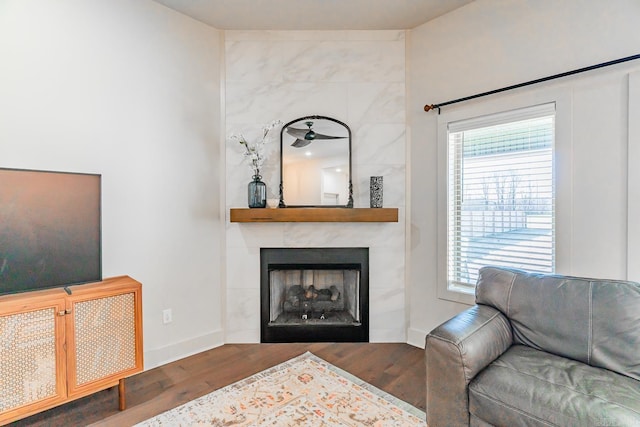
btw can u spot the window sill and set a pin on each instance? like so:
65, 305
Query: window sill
457, 294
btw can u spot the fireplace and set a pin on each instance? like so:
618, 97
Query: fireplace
314, 295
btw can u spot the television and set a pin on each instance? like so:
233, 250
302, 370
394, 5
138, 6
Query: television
50, 229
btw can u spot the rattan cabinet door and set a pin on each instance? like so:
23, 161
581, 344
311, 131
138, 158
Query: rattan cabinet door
103, 339
32, 358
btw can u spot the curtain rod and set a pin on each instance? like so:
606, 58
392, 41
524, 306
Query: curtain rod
430, 107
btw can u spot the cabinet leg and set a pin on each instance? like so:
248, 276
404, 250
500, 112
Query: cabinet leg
122, 405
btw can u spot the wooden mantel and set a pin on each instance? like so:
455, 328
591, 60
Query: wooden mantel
314, 215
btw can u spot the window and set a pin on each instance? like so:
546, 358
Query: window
500, 200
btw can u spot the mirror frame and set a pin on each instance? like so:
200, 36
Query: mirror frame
282, 203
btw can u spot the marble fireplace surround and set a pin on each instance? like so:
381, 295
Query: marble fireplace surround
357, 77
386, 243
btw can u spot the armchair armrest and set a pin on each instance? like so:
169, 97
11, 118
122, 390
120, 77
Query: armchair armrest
455, 352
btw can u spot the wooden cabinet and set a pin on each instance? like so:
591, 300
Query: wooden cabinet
60, 344
32, 356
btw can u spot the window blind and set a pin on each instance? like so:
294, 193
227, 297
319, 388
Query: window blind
501, 202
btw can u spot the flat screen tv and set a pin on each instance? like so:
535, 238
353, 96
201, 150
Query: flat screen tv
50, 229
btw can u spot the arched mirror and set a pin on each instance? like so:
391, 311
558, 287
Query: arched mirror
315, 163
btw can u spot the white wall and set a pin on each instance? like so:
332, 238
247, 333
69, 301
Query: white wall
633, 225
130, 90
490, 44
357, 77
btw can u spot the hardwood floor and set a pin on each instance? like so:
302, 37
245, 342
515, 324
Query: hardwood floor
398, 369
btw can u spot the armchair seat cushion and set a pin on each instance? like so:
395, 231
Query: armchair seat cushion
530, 387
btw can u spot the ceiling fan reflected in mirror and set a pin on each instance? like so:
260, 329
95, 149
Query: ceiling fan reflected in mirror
305, 137
307, 177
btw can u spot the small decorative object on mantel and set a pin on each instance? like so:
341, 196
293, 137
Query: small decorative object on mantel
257, 194
375, 192
257, 190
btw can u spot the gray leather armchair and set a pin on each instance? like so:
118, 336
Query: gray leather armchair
538, 350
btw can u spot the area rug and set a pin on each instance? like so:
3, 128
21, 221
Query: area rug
303, 391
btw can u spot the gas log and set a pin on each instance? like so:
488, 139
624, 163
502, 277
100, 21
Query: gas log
320, 299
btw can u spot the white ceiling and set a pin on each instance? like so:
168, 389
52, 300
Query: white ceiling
314, 14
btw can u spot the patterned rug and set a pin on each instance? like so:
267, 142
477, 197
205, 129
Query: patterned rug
303, 391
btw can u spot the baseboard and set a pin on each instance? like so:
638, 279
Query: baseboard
180, 350
415, 337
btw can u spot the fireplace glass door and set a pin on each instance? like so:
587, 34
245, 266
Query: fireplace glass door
317, 296
314, 295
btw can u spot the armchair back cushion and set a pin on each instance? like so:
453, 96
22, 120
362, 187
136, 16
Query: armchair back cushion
592, 321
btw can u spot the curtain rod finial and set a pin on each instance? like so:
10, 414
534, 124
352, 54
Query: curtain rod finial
429, 107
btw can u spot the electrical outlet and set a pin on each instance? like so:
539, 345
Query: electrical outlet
167, 316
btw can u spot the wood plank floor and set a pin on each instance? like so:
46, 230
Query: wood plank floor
398, 369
